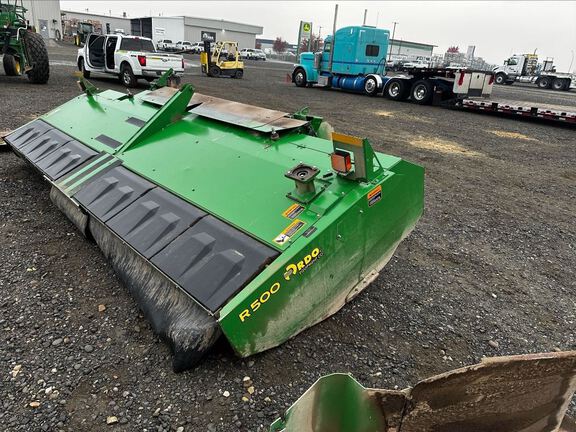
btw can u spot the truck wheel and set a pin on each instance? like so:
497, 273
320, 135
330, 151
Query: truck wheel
559, 84
37, 58
11, 65
239, 74
127, 76
370, 86
396, 89
421, 92
545, 82
501, 78
299, 77
85, 73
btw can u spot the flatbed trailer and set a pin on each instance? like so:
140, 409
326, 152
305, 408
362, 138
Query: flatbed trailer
527, 110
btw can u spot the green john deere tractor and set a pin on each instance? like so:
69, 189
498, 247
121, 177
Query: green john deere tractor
23, 50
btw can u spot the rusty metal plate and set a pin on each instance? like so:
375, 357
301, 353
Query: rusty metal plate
527, 393
236, 113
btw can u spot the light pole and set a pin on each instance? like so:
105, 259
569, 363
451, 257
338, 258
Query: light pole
393, 33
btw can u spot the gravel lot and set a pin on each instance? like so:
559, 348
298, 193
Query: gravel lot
489, 270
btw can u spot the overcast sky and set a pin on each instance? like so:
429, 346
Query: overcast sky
496, 28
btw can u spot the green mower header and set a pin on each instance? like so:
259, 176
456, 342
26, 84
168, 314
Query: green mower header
222, 217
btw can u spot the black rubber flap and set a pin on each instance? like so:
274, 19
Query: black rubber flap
64, 159
154, 220
109, 192
27, 133
212, 261
36, 149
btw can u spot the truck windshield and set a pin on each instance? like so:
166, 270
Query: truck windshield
129, 44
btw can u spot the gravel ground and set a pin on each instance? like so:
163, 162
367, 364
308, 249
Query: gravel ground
489, 270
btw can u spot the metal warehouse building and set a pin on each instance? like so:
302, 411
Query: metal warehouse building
195, 29
114, 22
407, 49
45, 17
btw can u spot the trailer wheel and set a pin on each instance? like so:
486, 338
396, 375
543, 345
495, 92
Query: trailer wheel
396, 89
239, 74
370, 86
545, 82
11, 65
500, 78
37, 58
560, 84
299, 77
421, 92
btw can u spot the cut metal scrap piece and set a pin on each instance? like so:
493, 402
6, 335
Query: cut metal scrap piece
524, 393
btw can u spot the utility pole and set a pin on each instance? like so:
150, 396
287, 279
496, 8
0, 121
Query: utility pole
333, 39
393, 33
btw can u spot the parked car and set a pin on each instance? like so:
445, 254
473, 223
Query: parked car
166, 45
183, 45
128, 57
196, 48
252, 54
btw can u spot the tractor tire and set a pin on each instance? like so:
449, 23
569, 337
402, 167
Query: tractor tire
421, 92
397, 89
37, 58
299, 77
85, 73
371, 86
560, 84
544, 82
501, 78
11, 65
214, 71
127, 76
239, 74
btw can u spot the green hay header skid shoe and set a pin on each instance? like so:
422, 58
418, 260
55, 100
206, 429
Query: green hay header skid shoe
220, 217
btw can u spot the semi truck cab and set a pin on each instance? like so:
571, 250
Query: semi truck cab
353, 59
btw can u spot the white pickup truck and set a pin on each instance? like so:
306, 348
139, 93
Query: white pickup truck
128, 57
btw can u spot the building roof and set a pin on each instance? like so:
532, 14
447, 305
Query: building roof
188, 20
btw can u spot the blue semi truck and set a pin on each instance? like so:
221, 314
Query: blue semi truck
354, 59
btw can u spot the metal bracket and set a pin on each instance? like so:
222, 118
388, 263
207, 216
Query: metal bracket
163, 81
170, 112
87, 87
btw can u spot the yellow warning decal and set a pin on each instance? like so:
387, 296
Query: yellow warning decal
347, 139
293, 211
374, 195
289, 231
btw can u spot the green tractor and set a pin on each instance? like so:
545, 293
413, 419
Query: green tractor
23, 50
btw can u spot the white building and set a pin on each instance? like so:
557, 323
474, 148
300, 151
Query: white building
44, 16
195, 29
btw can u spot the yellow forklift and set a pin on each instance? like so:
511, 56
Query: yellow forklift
224, 60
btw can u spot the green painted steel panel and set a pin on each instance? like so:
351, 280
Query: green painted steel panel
229, 171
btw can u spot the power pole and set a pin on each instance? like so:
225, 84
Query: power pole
393, 33
333, 39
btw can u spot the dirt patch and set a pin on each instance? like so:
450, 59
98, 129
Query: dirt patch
512, 135
404, 116
443, 146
